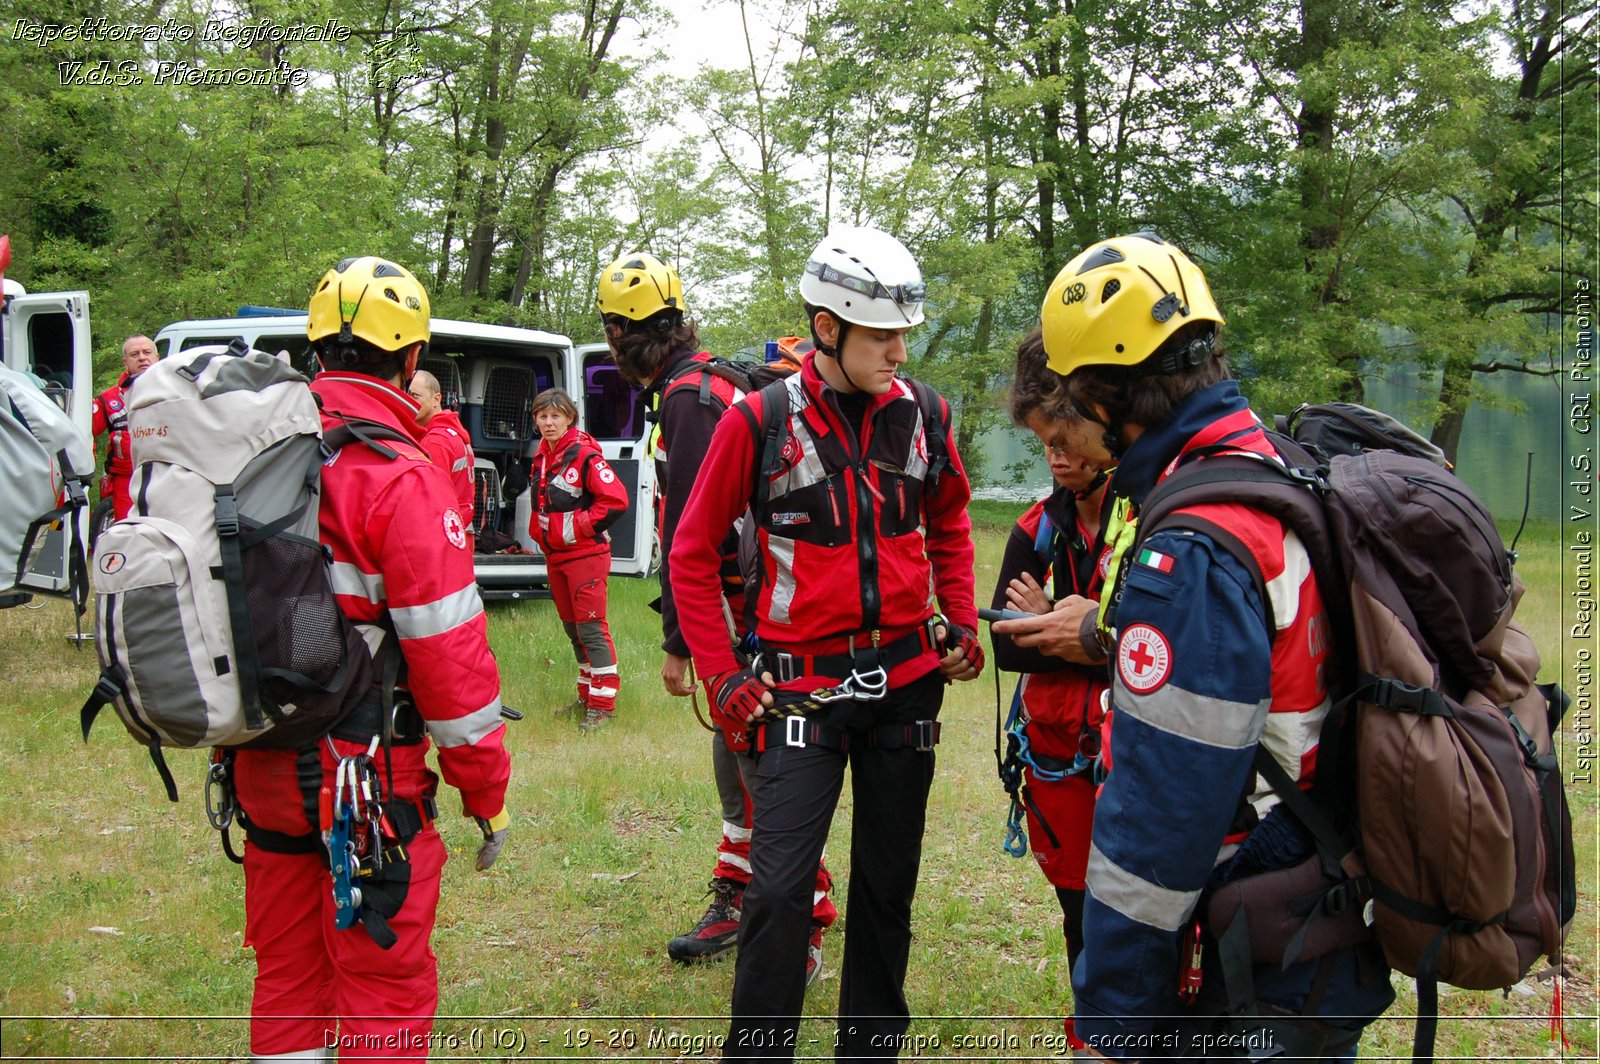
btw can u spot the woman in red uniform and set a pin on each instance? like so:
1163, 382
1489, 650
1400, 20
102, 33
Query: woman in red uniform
577, 496
1057, 545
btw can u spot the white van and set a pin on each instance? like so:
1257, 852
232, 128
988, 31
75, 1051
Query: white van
47, 334
490, 375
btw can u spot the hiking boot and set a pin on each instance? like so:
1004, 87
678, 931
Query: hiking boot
595, 719
571, 709
717, 933
814, 954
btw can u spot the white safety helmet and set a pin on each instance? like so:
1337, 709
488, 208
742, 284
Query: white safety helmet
866, 277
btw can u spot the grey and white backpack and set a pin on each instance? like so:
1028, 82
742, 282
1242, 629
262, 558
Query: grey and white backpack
46, 463
215, 616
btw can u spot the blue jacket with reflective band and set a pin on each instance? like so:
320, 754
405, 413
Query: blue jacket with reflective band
1195, 673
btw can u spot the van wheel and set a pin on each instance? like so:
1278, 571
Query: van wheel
655, 554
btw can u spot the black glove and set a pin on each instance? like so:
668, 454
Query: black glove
735, 698
966, 641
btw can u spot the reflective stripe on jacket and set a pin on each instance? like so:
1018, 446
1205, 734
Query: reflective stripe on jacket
398, 540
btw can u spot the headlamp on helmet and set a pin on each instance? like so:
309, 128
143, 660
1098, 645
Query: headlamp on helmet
864, 276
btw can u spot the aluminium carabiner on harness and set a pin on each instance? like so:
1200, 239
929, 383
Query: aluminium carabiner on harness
221, 803
863, 684
342, 857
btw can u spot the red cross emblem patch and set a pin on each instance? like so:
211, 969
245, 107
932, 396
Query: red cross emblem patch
455, 530
1144, 659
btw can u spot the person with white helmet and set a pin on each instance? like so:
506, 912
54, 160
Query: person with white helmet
857, 502
656, 347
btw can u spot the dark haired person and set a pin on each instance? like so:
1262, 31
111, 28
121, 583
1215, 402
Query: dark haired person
859, 509
577, 497
1055, 550
656, 347
1203, 672
401, 572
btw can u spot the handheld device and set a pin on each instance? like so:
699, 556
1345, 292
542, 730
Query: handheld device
986, 614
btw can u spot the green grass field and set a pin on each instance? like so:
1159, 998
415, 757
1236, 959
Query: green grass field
120, 920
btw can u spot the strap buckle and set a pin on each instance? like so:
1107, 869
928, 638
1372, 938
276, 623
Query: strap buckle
227, 515
927, 734
794, 731
786, 666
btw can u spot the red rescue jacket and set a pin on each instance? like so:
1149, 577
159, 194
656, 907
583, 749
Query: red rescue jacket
854, 538
577, 496
1061, 700
110, 414
398, 540
446, 442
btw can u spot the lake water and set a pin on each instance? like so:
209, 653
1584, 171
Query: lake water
1495, 443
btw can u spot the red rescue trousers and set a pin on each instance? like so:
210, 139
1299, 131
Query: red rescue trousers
579, 589
316, 986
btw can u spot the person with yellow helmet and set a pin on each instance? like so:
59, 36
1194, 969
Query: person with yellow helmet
657, 347
402, 574
1203, 672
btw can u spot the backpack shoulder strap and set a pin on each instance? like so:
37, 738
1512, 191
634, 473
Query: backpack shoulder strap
715, 367
772, 434
360, 430
1290, 493
934, 429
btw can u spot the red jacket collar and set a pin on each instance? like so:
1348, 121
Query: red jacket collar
817, 388
355, 395
572, 436
447, 419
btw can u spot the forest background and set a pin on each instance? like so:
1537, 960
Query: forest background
1369, 184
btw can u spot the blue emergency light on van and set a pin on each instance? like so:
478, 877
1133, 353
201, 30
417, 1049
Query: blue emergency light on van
250, 310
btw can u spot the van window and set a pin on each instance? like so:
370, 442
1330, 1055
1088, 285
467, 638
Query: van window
50, 340
187, 342
612, 408
296, 344
448, 373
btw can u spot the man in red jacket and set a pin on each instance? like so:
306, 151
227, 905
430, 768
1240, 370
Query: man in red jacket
110, 412
656, 346
403, 576
859, 501
447, 442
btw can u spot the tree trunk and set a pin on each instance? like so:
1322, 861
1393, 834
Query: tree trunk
1319, 224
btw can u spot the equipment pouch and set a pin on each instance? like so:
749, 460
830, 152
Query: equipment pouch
1297, 913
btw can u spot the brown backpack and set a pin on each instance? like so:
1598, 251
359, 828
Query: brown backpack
1438, 807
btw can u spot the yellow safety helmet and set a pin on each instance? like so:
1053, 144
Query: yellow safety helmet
370, 299
639, 286
1120, 300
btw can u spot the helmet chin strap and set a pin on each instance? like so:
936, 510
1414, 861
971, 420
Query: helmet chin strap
1111, 438
834, 351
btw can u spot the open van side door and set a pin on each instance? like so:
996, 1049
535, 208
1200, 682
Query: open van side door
47, 334
613, 412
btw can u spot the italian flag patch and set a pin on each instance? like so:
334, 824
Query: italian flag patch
1156, 560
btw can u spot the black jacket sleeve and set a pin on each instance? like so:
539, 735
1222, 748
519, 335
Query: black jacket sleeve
1020, 557
687, 425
